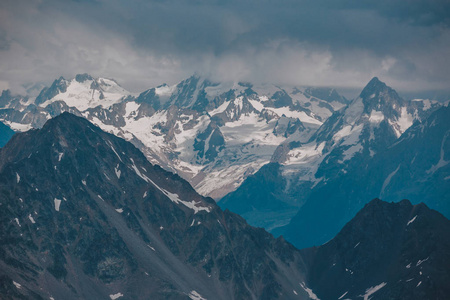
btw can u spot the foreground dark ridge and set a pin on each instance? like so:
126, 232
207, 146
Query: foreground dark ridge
387, 251
84, 215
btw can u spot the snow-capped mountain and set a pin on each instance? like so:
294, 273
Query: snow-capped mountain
344, 144
86, 216
82, 92
415, 167
212, 134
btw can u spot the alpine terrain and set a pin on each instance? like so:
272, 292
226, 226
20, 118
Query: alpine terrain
86, 216
368, 149
212, 134
275, 155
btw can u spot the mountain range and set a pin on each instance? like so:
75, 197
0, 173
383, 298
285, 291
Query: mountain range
85, 215
365, 150
203, 131
275, 155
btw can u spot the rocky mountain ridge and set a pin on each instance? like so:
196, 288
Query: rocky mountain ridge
342, 146
387, 251
202, 130
87, 216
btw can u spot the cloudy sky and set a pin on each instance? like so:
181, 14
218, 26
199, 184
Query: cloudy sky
143, 43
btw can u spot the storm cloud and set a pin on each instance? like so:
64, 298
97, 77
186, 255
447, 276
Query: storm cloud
143, 43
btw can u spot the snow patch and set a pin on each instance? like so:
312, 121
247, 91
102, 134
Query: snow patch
441, 163
60, 155
220, 109
176, 199
403, 122
372, 290
420, 282
136, 170
343, 295
116, 296
388, 180
419, 262
195, 296
412, 220
31, 219
376, 116
17, 126
119, 210
57, 204
117, 171
17, 177
17, 221
18, 285
151, 247
114, 150
350, 152
311, 294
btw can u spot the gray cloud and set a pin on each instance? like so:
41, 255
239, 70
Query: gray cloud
143, 43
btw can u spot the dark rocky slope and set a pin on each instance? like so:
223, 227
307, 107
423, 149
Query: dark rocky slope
84, 215
388, 251
6, 134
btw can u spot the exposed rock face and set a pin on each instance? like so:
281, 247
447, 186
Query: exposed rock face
5, 134
416, 167
171, 124
85, 215
215, 135
352, 157
388, 251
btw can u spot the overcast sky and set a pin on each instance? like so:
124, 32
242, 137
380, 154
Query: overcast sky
143, 43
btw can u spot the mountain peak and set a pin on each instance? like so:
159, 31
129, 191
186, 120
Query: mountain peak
380, 205
65, 119
375, 80
380, 97
373, 87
